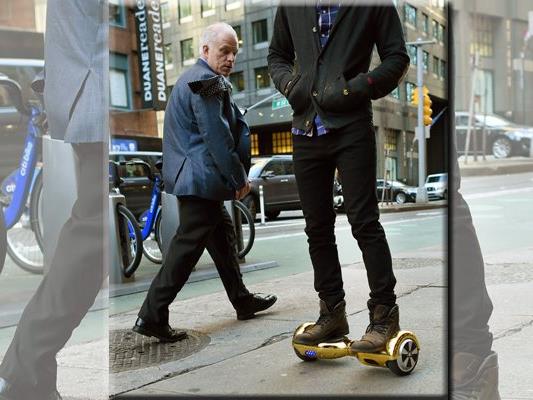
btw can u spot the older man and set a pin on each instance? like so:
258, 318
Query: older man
206, 152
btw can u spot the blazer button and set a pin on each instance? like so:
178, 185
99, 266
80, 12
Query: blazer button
315, 93
314, 29
345, 92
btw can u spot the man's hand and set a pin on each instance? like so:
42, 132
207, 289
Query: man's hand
242, 192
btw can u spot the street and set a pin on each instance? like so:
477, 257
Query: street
259, 351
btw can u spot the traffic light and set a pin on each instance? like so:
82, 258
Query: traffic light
427, 108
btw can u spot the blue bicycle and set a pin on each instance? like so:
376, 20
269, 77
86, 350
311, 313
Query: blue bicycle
21, 191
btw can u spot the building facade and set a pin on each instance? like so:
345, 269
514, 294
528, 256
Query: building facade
494, 30
253, 20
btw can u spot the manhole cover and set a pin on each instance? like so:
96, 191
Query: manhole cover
129, 351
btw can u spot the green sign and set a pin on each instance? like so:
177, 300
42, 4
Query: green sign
280, 103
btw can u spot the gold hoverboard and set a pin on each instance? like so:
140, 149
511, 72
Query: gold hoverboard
400, 355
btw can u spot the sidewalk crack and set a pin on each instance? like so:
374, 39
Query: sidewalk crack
514, 330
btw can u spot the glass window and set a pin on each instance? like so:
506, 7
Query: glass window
184, 9
254, 139
237, 29
282, 144
289, 166
165, 12
426, 61
410, 14
260, 32
276, 167
441, 33
232, 4
411, 50
483, 37
396, 93
208, 8
436, 65
117, 13
442, 70
187, 51
409, 89
119, 86
262, 79
169, 58
237, 81
425, 24
435, 29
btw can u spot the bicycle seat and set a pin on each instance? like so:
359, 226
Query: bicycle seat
159, 164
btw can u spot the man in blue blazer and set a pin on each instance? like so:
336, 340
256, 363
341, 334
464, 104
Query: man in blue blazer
206, 156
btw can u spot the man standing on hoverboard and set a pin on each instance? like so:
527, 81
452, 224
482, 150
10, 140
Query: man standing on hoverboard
330, 90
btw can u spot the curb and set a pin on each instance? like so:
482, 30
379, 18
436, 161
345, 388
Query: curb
413, 207
487, 170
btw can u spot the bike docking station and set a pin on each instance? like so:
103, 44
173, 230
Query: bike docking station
400, 355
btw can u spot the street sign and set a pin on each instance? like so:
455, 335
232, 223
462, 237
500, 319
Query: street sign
280, 103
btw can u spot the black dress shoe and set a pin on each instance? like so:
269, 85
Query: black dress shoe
12, 392
255, 303
163, 333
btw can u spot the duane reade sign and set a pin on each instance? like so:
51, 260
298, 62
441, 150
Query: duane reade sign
149, 27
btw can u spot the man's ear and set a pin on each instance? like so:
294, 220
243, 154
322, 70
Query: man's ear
205, 50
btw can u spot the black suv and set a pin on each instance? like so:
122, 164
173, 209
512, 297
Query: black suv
276, 175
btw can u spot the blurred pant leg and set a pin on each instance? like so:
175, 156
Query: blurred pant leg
68, 290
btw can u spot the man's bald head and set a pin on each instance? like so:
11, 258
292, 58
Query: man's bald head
219, 47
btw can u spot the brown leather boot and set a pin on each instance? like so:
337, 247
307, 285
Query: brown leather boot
331, 324
474, 377
384, 324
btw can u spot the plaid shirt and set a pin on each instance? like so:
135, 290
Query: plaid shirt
326, 14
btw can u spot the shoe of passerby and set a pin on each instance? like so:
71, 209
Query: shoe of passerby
164, 333
331, 325
253, 304
475, 377
384, 325
13, 392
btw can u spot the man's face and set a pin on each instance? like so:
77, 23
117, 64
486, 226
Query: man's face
221, 53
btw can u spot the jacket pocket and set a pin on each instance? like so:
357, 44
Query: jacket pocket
341, 95
296, 93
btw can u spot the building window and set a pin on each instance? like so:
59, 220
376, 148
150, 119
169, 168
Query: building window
262, 79
483, 39
237, 29
259, 31
410, 14
117, 14
442, 72
441, 33
232, 5
396, 93
282, 143
409, 89
426, 61
119, 81
208, 8
169, 58
185, 11
435, 29
254, 142
425, 24
412, 51
187, 52
237, 81
436, 66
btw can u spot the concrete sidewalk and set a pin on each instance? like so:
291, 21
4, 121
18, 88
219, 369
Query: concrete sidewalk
258, 352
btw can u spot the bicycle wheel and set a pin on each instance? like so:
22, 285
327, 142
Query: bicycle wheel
131, 244
151, 248
248, 228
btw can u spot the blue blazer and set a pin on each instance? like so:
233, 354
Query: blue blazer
206, 141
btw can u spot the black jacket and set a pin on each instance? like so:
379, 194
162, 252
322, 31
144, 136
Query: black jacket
334, 81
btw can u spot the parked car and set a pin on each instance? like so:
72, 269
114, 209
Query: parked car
137, 188
503, 138
276, 175
437, 186
395, 191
